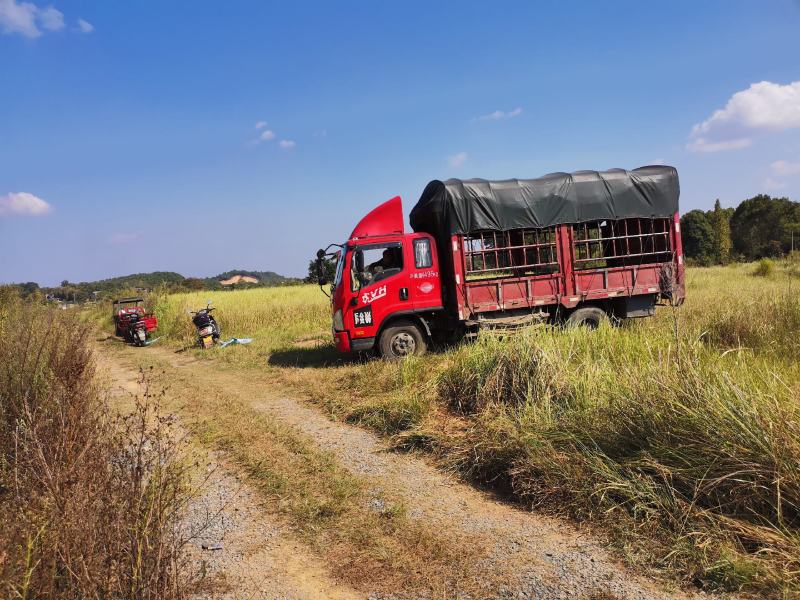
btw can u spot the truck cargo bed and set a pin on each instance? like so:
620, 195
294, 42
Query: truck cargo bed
567, 265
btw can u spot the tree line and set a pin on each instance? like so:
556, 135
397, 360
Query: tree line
760, 227
168, 280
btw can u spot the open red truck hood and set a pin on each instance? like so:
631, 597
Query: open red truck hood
385, 219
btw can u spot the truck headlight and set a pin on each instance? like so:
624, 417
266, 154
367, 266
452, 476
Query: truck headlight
338, 321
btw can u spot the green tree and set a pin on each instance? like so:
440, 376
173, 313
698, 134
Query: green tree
697, 236
328, 270
720, 222
761, 226
29, 289
794, 236
193, 283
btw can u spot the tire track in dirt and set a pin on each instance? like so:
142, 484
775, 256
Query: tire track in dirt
531, 556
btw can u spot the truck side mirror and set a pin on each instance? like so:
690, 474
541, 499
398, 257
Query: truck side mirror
320, 254
321, 279
359, 258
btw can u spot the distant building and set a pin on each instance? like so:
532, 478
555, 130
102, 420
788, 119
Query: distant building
238, 279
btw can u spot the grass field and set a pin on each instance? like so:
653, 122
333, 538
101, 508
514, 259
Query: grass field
275, 317
678, 436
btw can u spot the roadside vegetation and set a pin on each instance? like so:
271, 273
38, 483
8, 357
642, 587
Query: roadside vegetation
677, 436
89, 502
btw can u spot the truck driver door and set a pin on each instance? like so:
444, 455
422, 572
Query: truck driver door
379, 287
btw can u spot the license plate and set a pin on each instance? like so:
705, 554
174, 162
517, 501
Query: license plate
362, 317
208, 341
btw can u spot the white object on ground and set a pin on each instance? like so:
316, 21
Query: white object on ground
235, 341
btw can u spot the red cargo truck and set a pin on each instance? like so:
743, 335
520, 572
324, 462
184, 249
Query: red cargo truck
575, 248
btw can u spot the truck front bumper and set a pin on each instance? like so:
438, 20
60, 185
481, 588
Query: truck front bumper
362, 344
342, 340
345, 344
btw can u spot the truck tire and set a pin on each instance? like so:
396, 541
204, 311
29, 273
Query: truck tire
401, 339
588, 316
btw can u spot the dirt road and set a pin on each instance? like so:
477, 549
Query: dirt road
523, 554
258, 556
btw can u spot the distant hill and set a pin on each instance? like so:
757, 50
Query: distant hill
108, 287
175, 281
137, 280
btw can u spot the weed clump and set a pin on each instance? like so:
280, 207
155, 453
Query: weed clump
764, 268
89, 503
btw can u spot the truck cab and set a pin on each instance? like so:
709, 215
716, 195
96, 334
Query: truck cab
386, 286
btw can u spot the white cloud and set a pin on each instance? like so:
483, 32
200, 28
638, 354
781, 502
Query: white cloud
124, 237
764, 106
85, 26
705, 145
23, 204
51, 19
267, 135
25, 18
771, 184
264, 135
457, 159
785, 167
18, 18
499, 115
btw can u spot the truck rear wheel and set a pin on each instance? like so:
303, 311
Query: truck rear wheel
588, 316
401, 339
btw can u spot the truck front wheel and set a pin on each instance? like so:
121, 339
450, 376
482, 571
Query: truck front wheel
401, 339
588, 316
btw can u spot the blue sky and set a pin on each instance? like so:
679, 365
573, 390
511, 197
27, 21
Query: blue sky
130, 132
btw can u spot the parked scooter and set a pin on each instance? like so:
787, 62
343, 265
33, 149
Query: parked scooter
207, 328
136, 331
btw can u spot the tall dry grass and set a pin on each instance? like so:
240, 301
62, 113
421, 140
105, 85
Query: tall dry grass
89, 503
693, 458
273, 317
